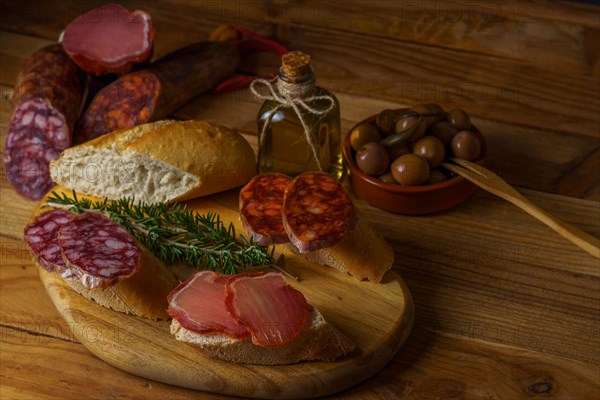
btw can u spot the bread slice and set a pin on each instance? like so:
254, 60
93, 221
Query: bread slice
363, 253
319, 341
163, 161
143, 294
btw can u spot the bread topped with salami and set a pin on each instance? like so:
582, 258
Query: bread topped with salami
102, 261
253, 318
315, 216
163, 161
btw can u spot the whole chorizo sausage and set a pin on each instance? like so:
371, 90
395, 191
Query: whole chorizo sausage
47, 100
155, 92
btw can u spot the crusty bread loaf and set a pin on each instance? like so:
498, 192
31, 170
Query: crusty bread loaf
364, 253
156, 162
319, 341
143, 294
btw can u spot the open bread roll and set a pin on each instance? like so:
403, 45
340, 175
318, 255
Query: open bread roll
163, 161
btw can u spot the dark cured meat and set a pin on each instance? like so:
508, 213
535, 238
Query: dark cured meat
47, 98
155, 92
261, 204
98, 250
109, 39
198, 304
274, 312
317, 211
41, 236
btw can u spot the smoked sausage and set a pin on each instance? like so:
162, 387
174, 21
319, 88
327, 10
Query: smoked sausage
155, 92
47, 100
317, 211
261, 204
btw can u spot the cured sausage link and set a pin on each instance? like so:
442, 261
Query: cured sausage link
261, 204
47, 99
155, 92
317, 211
99, 251
41, 235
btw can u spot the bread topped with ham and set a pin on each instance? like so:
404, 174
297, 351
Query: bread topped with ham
315, 216
253, 318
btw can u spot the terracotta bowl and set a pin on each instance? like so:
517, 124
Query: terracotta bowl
413, 200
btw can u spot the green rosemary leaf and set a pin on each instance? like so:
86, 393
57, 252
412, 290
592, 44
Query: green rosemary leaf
175, 232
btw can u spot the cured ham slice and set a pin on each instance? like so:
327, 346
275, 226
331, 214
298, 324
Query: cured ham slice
98, 250
199, 305
261, 204
272, 311
41, 237
109, 39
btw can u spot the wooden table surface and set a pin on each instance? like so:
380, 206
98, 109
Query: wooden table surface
505, 308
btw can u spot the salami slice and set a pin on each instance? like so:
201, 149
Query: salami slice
47, 97
317, 211
261, 204
41, 237
155, 92
109, 39
99, 251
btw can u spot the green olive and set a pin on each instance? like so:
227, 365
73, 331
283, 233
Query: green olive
413, 123
410, 170
431, 149
459, 119
387, 178
466, 146
373, 159
438, 111
443, 131
436, 176
428, 112
398, 150
362, 134
386, 121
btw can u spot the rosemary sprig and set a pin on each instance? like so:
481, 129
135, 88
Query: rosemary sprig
174, 232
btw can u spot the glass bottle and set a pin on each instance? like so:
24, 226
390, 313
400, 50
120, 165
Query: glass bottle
284, 146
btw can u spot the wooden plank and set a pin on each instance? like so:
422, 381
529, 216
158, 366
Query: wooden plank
509, 29
501, 88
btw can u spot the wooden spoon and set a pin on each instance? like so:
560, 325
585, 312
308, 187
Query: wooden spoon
491, 182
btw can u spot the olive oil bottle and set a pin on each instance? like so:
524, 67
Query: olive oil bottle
288, 145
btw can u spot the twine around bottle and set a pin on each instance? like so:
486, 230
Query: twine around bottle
292, 95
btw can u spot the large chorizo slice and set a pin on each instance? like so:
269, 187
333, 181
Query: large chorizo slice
317, 211
109, 39
155, 92
47, 98
261, 207
41, 235
98, 250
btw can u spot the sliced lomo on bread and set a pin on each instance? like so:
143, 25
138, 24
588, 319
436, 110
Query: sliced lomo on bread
281, 327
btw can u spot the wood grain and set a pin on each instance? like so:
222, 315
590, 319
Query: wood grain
146, 348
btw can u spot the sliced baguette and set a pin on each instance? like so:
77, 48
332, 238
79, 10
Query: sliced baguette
163, 161
143, 294
319, 341
363, 253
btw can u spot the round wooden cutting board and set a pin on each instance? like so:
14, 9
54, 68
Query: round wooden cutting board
377, 317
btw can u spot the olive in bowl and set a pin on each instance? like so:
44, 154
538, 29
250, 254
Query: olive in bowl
437, 192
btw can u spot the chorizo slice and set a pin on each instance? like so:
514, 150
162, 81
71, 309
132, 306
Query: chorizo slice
98, 250
41, 235
47, 97
261, 208
317, 211
156, 91
109, 39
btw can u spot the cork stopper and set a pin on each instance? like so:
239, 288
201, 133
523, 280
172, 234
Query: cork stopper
295, 64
